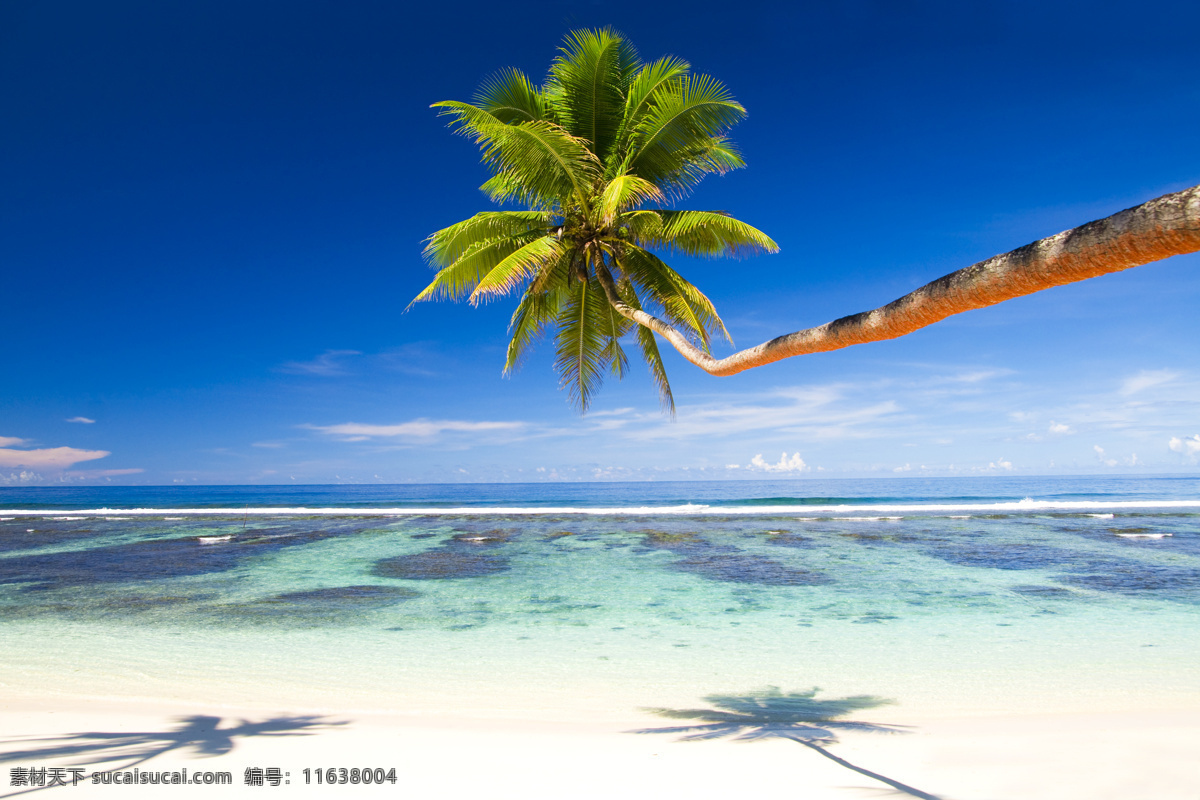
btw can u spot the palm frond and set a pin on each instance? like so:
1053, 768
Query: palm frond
699, 233
510, 97
460, 277
587, 85
649, 347
541, 157
518, 267
447, 245
669, 144
639, 99
583, 344
623, 192
535, 311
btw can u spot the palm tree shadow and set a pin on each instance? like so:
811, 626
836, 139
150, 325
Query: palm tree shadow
202, 735
771, 714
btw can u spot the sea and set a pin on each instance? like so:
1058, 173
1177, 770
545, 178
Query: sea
595, 600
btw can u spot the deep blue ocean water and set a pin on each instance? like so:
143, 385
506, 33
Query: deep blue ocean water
1020, 592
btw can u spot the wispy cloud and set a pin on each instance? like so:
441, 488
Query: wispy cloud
820, 412
1146, 379
1060, 428
94, 474
48, 458
416, 429
9, 441
82, 420
327, 364
269, 445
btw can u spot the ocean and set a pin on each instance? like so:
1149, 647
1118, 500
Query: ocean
556, 601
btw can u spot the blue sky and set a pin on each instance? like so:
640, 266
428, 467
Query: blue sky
213, 214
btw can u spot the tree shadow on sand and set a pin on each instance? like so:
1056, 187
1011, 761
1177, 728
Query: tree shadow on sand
771, 714
202, 735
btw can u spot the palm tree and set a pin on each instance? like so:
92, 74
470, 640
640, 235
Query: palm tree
607, 135
592, 155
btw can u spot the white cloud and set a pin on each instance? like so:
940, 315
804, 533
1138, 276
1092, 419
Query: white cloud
1060, 428
82, 420
417, 429
793, 464
1189, 447
1000, 463
905, 468
48, 458
733, 466
1146, 379
326, 364
9, 441
24, 476
1104, 459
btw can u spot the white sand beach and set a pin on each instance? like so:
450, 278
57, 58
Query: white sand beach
1064, 756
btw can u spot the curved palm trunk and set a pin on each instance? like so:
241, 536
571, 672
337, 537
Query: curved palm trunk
1166, 226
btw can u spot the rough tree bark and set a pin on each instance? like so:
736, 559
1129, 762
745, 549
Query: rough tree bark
1163, 227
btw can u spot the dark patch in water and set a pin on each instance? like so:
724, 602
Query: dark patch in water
677, 542
1002, 555
1138, 579
742, 568
315, 606
156, 559
356, 596
422, 536
790, 540
76, 605
1042, 591
457, 558
26, 534
727, 563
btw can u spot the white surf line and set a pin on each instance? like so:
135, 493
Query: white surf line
687, 509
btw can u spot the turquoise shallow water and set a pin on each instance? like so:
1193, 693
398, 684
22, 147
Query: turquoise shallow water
944, 596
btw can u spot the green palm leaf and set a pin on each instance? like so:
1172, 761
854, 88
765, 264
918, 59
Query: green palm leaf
583, 344
518, 267
671, 143
535, 311
510, 97
587, 86
700, 233
461, 277
625, 191
650, 353
448, 245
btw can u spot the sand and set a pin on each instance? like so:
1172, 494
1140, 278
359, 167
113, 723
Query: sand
1125, 755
